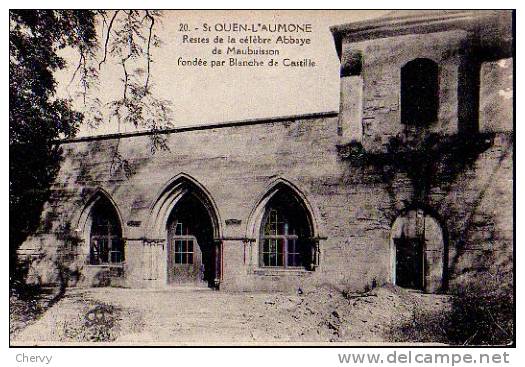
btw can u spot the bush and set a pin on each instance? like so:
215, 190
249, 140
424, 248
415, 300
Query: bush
483, 312
97, 323
423, 327
27, 303
480, 313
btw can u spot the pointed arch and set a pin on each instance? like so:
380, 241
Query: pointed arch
100, 227
172, 192
281, 185
84, 215
285, 228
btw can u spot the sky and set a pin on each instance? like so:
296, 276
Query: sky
210, 95
204, 95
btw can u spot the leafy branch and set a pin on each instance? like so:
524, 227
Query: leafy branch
129, 37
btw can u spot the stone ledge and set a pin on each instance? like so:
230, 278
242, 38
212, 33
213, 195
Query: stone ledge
209, 126
274, 272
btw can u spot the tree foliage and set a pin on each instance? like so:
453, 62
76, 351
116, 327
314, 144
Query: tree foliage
38, 118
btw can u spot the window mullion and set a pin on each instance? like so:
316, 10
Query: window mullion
285, 251
279, 239
108, 247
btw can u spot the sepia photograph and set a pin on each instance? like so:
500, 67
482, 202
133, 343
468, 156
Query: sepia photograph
261, 178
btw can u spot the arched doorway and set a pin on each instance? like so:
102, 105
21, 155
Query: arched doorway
418, 252
99, 224
186, 222
191, 251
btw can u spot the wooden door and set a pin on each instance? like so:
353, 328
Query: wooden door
409, 263
419, 252
185, 257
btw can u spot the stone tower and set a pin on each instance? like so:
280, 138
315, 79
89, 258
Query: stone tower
383, 59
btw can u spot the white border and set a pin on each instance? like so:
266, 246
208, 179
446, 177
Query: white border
246, 356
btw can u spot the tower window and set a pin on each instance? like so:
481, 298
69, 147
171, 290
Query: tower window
419, 92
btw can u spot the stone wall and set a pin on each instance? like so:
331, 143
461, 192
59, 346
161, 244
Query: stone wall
354, 204
383, 59
357, 172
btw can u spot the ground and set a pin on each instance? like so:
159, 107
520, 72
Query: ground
203, 316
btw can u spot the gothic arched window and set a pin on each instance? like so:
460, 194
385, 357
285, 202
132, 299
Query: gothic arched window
106, 244
419, 92
285, 239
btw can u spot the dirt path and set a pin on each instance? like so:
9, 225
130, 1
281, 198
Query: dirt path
203, 316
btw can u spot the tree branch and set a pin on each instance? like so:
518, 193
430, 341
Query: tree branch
104, 21
77, 69
84, 77
126, 77
123, 62
148, 55
107, 39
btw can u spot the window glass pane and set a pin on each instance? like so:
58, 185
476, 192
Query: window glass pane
115, 256
178, 229
106, 235
103, 246
95, 259
272, 261
284, 233
273, 252
117, 250
183, 247
294, 256
266, 259
280, 252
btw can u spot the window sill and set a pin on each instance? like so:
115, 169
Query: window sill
282, 271
101, 266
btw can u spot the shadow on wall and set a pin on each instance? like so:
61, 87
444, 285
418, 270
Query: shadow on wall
43, 222
32, 170
431, 161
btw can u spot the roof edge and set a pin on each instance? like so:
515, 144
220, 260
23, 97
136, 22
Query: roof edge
216, 125
414, 21
415, 17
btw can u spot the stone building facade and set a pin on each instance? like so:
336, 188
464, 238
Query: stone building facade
410, 183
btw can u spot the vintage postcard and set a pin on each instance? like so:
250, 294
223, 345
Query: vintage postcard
261, 177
